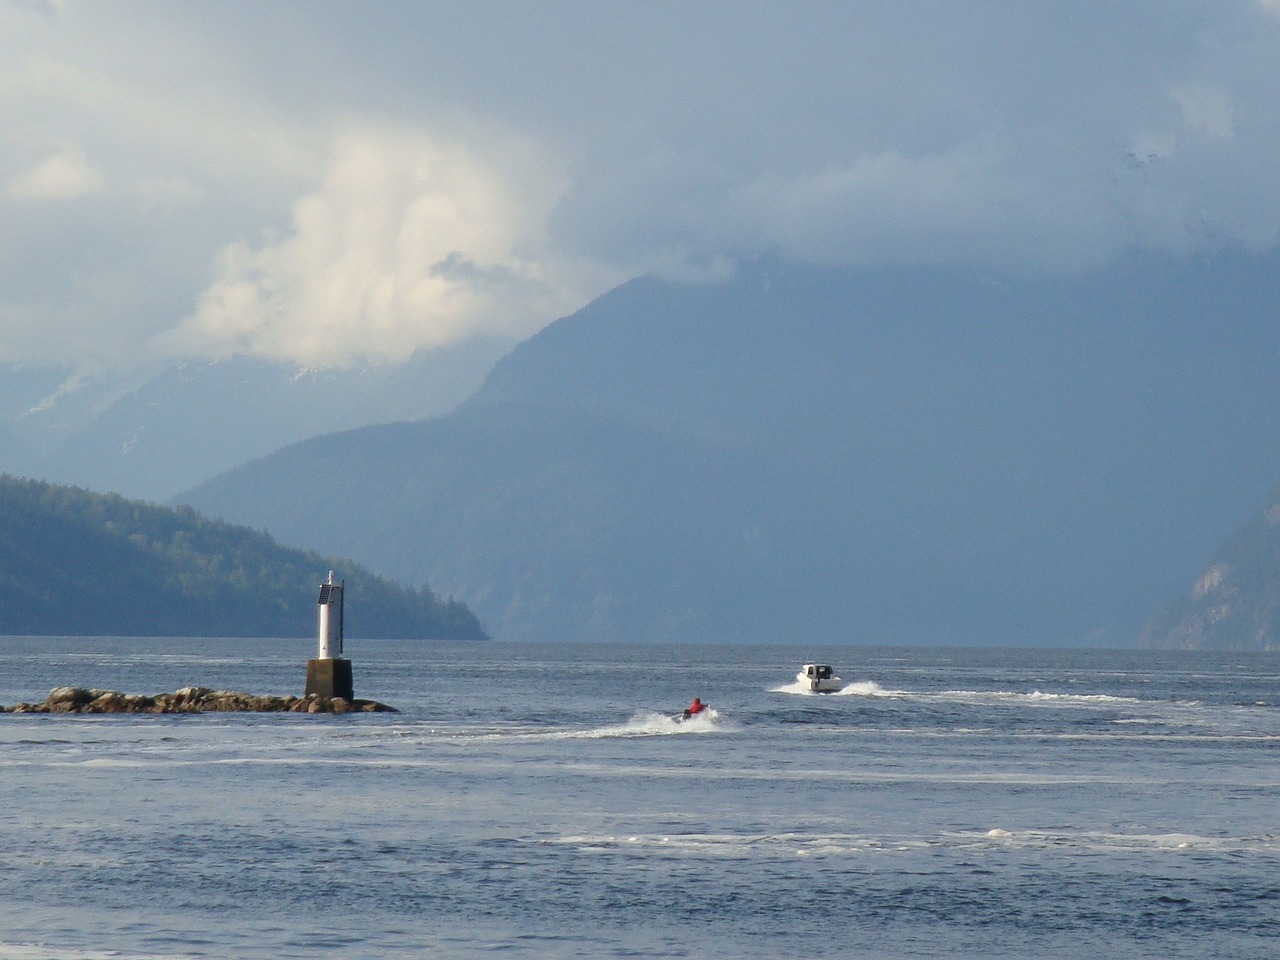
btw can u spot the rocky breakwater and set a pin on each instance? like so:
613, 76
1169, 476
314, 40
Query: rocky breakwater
191, 700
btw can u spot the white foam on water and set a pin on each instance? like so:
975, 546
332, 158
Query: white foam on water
652, 725
866, 688
729, 845
646, 724
871, 690
856, 688
32, 951
789, 845
108, 763
1095, 841
1034, 697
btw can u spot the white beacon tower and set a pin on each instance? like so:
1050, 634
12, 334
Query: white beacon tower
330, 631
329, 675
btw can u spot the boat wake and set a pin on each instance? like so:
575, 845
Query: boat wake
791, 845
647, 724
871, 689
860, 688
658, 725
1033, 697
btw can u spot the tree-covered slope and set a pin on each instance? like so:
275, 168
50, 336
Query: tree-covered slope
74, 562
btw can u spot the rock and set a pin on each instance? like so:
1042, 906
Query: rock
191, 700
75, 696
107, 701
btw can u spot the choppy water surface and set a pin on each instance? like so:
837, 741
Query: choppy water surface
540, 802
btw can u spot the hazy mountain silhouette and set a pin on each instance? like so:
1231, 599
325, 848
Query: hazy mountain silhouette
876, 455
193, 420
1235, 604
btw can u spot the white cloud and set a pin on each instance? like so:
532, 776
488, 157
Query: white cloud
410, 241
46, 8
64, 176
490, 172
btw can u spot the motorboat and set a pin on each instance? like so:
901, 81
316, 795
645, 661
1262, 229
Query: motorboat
819, 678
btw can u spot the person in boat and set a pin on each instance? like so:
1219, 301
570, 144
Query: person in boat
694, 708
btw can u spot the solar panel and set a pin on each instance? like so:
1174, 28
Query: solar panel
325, 590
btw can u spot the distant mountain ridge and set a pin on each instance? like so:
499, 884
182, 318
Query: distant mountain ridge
79, 563
912, 455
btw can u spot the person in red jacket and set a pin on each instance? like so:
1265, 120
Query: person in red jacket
696, 707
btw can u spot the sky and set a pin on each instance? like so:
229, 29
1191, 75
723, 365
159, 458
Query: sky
330, 183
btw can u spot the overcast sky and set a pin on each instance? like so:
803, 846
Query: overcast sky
328, 182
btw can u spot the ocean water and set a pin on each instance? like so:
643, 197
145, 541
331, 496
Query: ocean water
540, 802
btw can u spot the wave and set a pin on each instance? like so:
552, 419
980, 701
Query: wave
648, 724
1096, 841
31, 951
857, 688
1035, 696
108, 763
871, 689
797, 844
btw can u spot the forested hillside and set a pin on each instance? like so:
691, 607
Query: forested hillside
73, 562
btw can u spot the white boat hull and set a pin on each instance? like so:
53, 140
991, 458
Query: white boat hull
830, 684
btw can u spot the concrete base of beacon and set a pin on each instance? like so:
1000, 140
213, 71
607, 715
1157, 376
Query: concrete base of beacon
330, 678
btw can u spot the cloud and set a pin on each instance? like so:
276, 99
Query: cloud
118, 185
965, 136
410, 241
1206, 111
63, 176
45, 8
331, 181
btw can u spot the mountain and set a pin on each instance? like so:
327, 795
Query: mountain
916, 455
125, 437
79, 563
1235, 603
